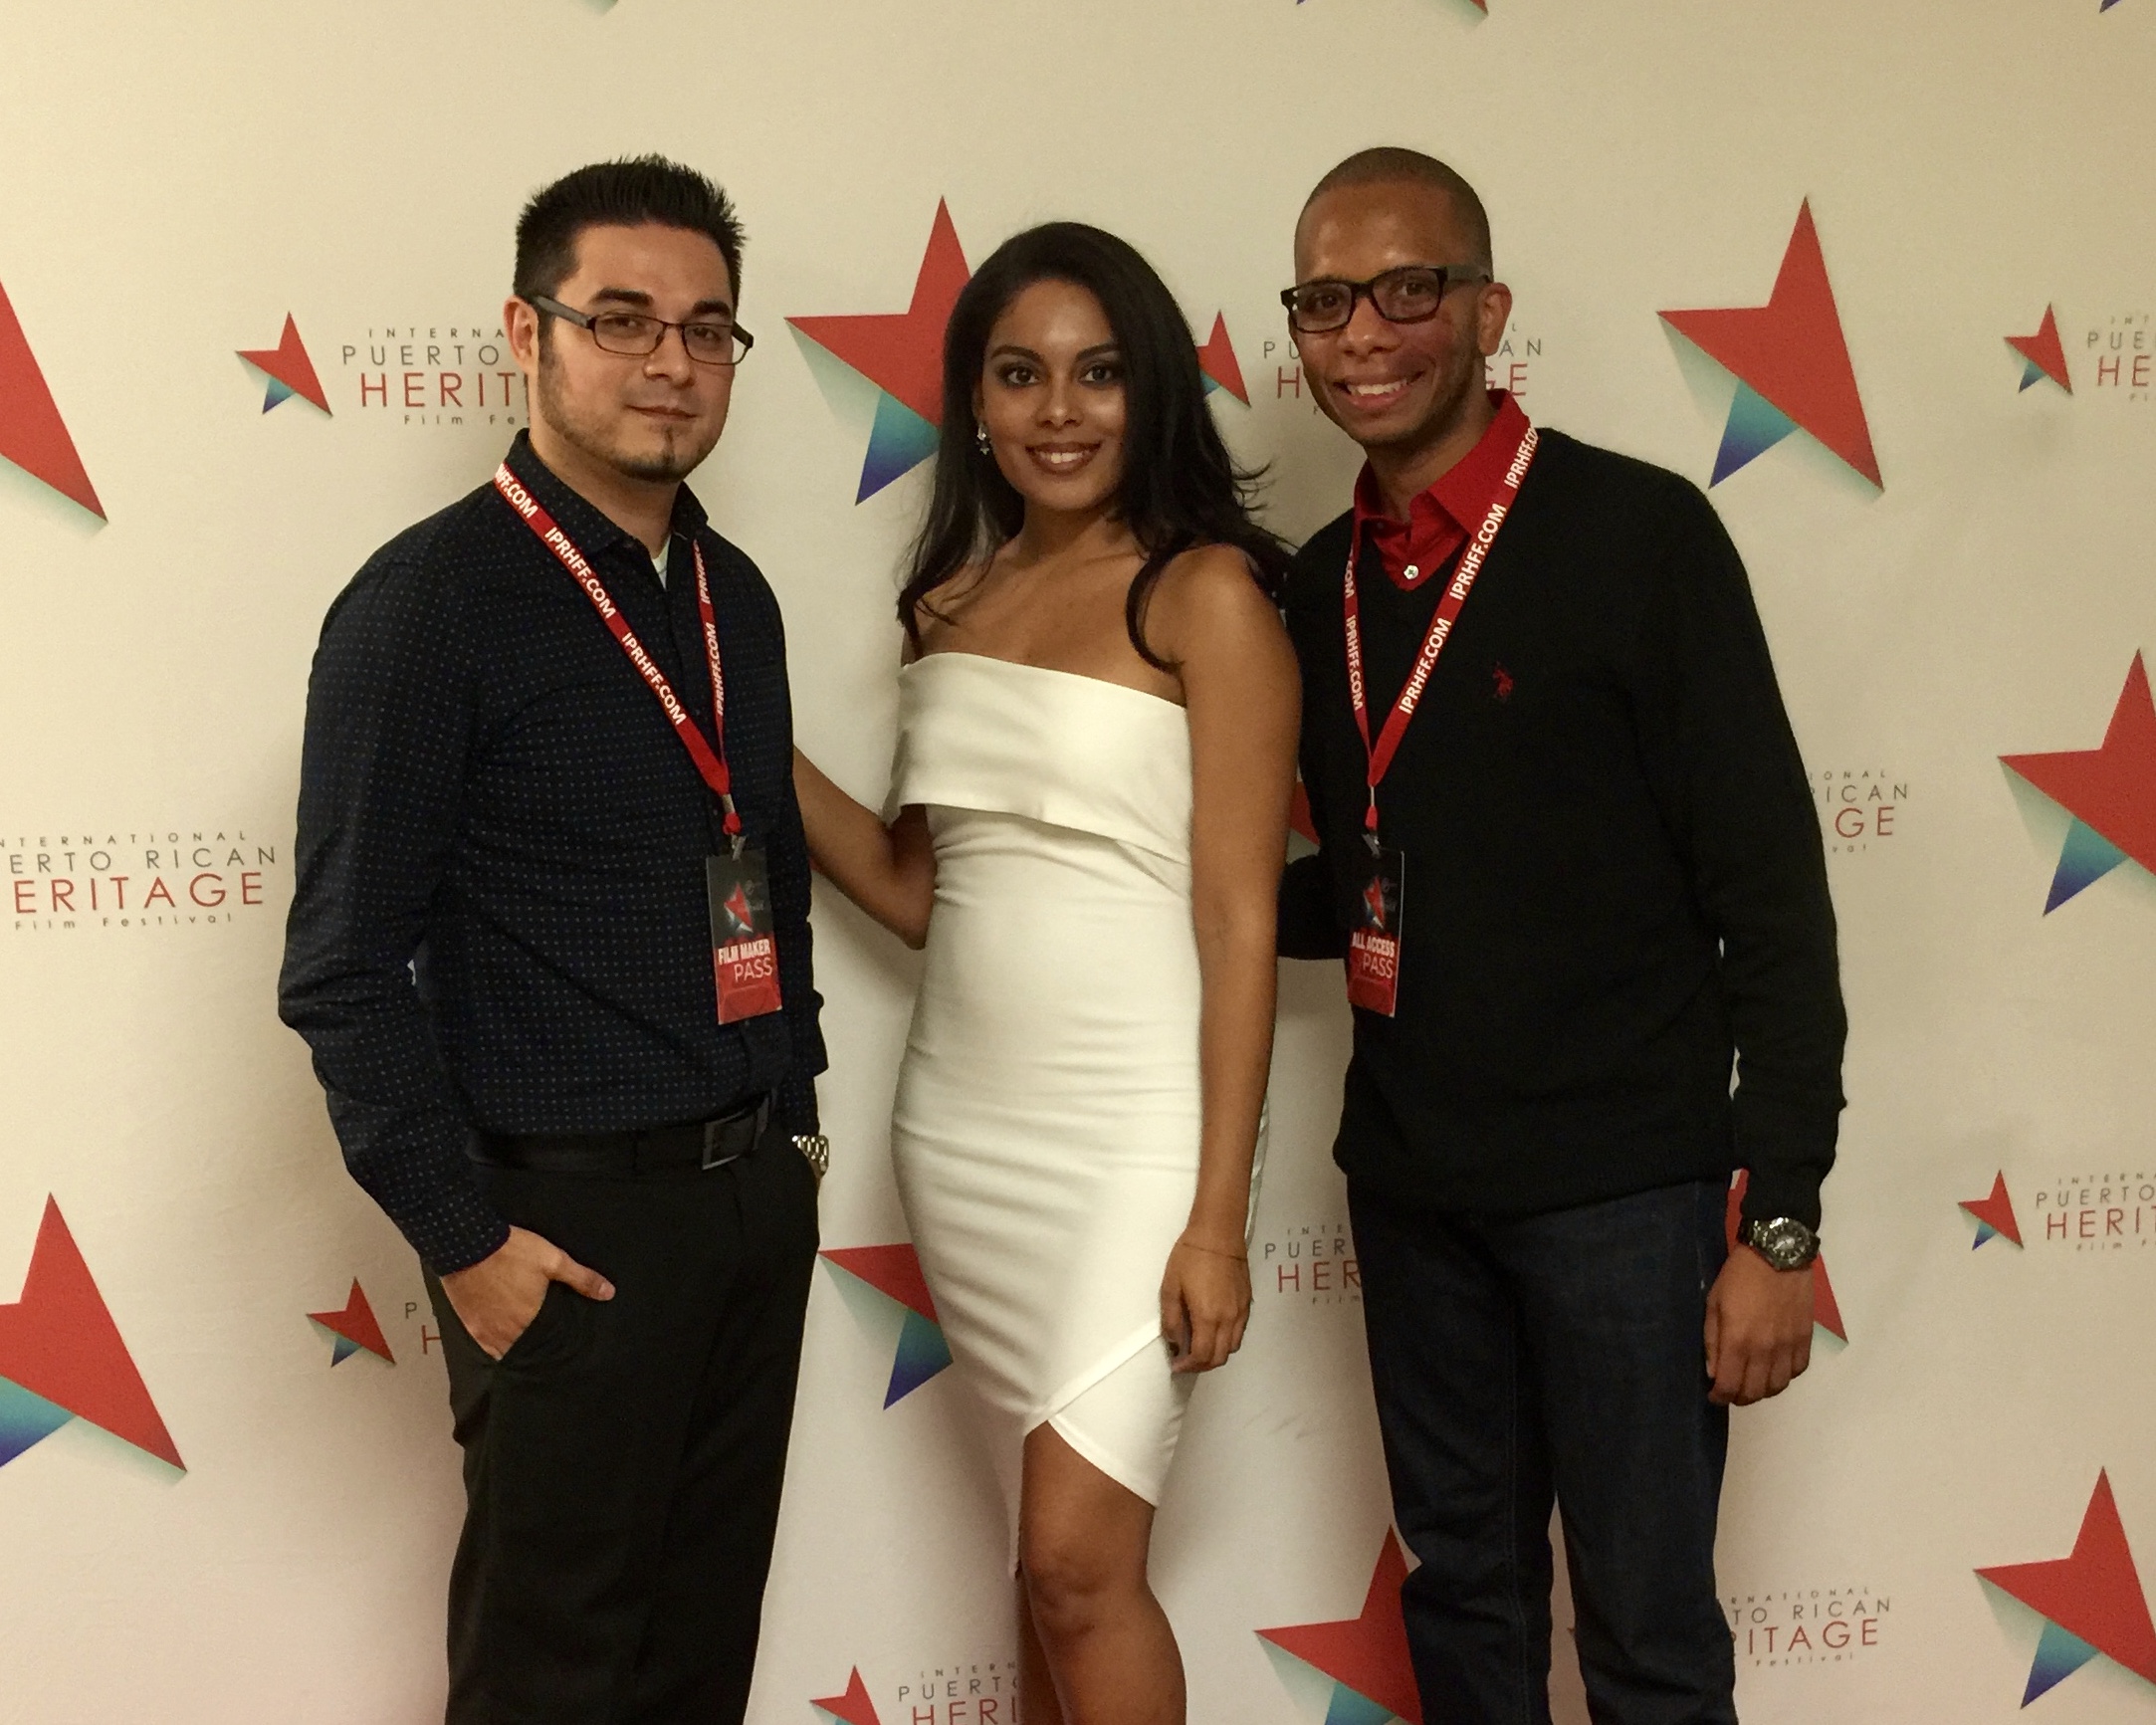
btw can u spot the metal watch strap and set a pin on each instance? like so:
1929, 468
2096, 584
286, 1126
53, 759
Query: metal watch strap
817, 1149
1784, 1241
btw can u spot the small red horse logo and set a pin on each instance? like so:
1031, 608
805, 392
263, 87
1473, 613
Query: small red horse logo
1501, 681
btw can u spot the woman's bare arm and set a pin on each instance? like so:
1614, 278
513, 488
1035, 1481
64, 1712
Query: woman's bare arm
889, 871
1241, 689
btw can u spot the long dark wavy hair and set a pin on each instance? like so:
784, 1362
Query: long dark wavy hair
1180, 487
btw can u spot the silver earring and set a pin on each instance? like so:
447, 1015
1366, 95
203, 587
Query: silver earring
980, 438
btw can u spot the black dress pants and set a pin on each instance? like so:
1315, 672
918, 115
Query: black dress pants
622, 1461
1552, 1357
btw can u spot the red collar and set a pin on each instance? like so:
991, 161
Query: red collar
1439, 519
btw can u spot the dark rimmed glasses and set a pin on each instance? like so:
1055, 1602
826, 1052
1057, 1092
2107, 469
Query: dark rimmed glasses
635, 335
1409, 295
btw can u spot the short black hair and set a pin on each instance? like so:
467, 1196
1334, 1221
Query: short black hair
625, 193
1390, 164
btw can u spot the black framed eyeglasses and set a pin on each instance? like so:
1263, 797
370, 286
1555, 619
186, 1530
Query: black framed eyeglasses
1408, 295
633, 334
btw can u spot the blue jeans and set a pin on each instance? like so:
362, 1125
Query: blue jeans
1553, 1358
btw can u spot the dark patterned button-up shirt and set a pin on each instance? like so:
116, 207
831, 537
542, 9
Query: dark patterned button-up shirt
499, 919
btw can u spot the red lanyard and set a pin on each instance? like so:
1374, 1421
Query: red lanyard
1440, 628
710, 762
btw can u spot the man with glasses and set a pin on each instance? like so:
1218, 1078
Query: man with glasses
1569, 856
550, 949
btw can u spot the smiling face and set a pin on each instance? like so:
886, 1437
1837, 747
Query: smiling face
1051, 399
649, 419
1396, 388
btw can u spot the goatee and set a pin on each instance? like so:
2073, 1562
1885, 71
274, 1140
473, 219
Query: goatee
659, 468
668, 466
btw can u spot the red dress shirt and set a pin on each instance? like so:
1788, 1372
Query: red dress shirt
1440, 519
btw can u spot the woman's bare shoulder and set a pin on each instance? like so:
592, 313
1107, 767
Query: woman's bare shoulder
1210, 588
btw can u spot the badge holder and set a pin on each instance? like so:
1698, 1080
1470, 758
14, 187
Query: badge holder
743, 949
1374, 941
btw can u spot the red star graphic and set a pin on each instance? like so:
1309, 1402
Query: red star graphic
1366, 1654
32, 434
1216, 359
1997, 1211
2045, 350
289, 365
1825, 1309
902, 352
892, 1272
853, 1707
2112, 790
356, 1324
2095, 1592
1791, 351
58, 1342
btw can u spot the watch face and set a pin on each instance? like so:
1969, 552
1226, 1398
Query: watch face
1785, 1242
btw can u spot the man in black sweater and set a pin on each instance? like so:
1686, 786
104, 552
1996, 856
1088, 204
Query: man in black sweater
1567, 853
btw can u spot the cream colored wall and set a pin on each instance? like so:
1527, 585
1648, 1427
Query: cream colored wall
180, 178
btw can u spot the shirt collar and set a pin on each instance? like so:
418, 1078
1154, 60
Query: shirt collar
1458, 497
594, 534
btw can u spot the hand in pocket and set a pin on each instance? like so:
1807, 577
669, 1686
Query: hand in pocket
497, 1298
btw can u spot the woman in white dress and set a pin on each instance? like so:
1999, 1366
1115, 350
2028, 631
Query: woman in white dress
1096, 753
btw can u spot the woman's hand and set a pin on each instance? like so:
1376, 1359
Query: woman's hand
1204, 1304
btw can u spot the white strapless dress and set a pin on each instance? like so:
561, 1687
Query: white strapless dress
1047, 1124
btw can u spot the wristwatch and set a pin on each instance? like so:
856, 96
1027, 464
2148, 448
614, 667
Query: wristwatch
1785, 1242
817, 1149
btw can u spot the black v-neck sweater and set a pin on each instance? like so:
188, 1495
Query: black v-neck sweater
1615, 883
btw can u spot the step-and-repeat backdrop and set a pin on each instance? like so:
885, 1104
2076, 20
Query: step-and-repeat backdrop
1884, 276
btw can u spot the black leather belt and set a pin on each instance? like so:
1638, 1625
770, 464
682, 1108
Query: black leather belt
697, 1144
